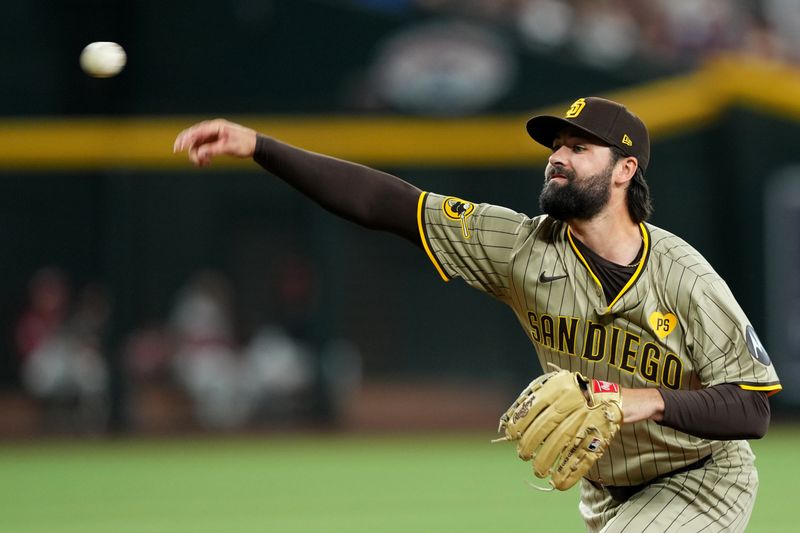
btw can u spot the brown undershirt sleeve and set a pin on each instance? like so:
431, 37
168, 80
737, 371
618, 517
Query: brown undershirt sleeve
722, 412
368, 197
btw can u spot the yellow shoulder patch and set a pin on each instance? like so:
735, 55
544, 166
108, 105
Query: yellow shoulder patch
458, 209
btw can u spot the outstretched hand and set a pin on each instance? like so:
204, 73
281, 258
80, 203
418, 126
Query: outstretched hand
208, 139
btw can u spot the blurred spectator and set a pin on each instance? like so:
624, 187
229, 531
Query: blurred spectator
48, 300
281, 360
763, 42
64, 366
545, 24
206, 363
784, 17
278, 374
274, 378
605, 33
290, 372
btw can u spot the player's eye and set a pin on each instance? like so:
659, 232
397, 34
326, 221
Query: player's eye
578, 148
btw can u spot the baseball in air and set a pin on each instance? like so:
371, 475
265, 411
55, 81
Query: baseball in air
103, 59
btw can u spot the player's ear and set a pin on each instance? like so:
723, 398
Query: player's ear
626, 169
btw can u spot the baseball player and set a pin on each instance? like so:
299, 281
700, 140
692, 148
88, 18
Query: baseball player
668, 370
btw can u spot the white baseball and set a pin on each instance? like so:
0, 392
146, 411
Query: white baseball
103, 59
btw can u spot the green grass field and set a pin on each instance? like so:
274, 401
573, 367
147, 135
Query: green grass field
319, 483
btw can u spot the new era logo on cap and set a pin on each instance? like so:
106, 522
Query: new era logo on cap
611, 122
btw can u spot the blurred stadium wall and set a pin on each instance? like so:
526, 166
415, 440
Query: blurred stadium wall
90, 183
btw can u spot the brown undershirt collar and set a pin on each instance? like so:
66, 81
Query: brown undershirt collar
612, 276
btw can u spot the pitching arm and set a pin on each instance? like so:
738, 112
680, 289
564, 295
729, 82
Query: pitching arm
368, 197
363, 195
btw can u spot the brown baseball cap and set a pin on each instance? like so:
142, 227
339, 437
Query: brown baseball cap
609, 121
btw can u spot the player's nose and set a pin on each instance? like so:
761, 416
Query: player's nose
558, 157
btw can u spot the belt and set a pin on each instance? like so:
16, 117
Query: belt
623, 493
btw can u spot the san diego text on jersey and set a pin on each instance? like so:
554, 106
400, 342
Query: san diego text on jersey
613, 345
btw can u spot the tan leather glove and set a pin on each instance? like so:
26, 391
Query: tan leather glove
563, 422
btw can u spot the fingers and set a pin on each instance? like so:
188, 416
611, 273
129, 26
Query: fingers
202, 141
197, 134
201, 154
198, 156
211, 138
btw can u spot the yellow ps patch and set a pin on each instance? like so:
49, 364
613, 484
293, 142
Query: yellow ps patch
663, 324
458, 209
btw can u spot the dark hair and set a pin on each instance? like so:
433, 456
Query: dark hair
639, 205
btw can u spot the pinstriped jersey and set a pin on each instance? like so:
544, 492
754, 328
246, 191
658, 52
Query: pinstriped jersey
675, 324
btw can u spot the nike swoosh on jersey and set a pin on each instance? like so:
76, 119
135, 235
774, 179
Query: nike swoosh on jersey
544, 278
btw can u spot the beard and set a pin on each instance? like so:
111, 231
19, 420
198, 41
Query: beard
580, 199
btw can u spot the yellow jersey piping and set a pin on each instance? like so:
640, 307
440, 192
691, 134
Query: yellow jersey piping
583, 259
634, 277
423, 237
769, 389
